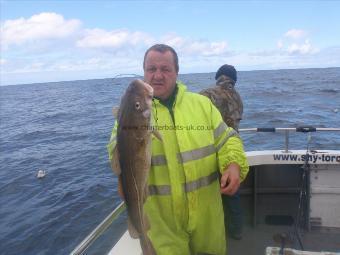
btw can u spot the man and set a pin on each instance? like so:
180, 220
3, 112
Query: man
229, 103
225, 97
184, 206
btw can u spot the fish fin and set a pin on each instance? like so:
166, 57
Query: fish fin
132, 230
157, 134
115, 111
146, 193
115, 162
146, 222
146, 245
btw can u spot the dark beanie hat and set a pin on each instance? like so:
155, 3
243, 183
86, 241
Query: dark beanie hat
227, 70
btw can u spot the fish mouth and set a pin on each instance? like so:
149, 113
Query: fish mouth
147, 113
148, 98
148, 88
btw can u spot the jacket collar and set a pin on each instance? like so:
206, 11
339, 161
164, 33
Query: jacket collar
178, 94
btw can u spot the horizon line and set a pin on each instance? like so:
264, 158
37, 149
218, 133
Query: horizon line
120, 76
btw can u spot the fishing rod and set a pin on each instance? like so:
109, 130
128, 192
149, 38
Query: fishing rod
302, 129
303, 205
302, 214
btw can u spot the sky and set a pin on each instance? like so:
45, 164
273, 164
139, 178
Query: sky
44, 41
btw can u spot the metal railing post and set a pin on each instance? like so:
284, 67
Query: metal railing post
286, 140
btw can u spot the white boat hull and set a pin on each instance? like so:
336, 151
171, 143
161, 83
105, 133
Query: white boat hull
324, 188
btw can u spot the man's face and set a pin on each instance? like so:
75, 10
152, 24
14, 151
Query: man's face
160, 73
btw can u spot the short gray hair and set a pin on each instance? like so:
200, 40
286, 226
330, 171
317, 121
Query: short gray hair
163, 48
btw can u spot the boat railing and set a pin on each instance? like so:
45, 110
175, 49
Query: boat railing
302, 129
100, 229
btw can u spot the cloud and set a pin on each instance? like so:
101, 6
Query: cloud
295, 42
43, 32
43, 26
193, 47
280, 44
303, 48
102, 39
136, 42
207, 48
296, 33
48, 43
99, 38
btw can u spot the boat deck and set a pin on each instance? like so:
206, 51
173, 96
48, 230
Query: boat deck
255, 240
273, 197
269, 201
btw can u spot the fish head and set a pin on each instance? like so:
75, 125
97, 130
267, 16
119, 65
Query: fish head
136, 107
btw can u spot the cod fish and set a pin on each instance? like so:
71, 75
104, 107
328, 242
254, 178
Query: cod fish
134, 156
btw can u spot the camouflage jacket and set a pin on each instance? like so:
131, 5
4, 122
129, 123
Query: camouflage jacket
227, 100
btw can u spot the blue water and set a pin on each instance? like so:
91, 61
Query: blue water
64, 127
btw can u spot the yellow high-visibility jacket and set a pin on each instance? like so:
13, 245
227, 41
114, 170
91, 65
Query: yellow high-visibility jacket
184, 205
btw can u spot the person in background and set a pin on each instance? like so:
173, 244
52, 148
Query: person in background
190, 167
229, 103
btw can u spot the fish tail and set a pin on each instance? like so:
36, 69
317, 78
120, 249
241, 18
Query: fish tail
147, 246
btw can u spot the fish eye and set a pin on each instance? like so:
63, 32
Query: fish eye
137, 105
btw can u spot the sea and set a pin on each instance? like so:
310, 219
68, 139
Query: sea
64, 127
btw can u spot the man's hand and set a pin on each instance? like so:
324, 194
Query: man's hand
230, 180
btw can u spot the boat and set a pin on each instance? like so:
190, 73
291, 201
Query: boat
290, 201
